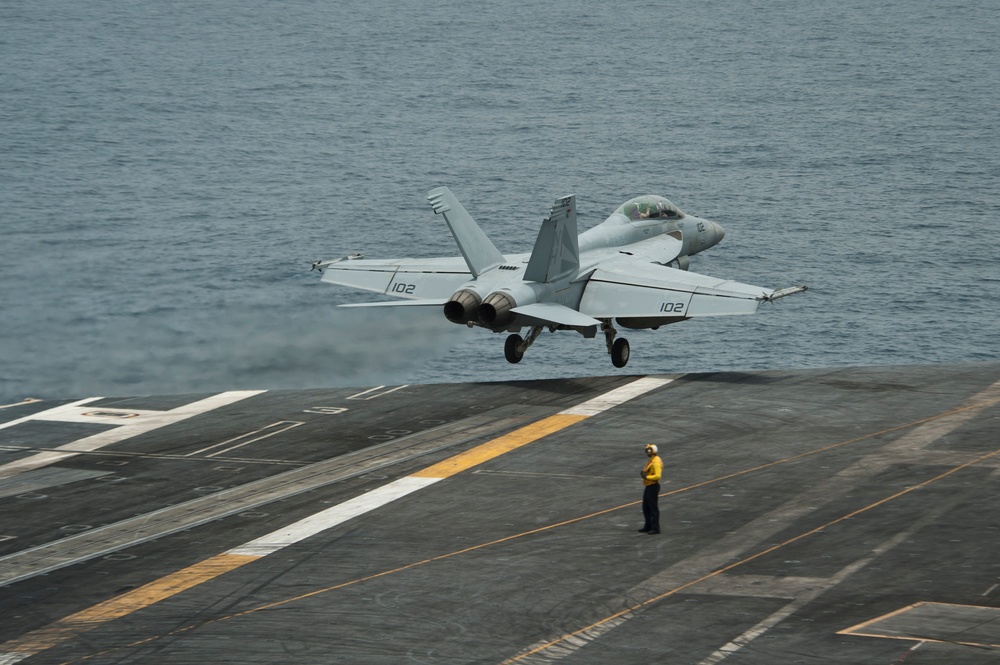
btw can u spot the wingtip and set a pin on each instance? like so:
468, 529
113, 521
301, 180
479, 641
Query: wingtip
781, 293
436, 197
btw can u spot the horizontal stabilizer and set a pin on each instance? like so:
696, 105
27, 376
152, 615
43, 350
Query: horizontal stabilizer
480, 254
553, 313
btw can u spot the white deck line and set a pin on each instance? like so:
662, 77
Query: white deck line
146, 421
289, 424
377, 394
617, 396
55, 413
331, 517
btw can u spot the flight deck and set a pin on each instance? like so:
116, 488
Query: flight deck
839, 515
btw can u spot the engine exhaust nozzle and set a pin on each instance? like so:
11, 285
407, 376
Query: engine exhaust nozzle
463, 307
496, 309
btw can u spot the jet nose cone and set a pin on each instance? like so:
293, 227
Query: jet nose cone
720, 232
712, 233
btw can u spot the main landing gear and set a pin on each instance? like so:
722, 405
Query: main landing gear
618, 349
515, 346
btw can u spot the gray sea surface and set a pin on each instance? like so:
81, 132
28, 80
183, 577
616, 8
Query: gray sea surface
168, 170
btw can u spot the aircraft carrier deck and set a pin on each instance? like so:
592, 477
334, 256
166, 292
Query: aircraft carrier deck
847, 515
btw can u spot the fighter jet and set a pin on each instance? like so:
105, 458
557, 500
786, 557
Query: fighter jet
630, 270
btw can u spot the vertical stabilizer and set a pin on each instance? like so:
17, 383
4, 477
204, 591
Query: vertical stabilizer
480, 254
556, 254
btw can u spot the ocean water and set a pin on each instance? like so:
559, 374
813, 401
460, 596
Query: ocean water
168, 170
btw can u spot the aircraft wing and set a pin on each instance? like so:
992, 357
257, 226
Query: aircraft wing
658, 249
423, 279
634, 288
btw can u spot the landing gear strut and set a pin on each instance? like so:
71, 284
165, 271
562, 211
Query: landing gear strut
515, 346
618, 349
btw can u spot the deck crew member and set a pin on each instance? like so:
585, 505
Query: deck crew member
651, 491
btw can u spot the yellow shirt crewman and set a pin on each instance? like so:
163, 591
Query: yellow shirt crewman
651, 474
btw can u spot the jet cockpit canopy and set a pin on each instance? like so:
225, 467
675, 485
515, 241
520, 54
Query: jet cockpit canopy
649, 207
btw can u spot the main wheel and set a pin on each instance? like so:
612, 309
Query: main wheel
510, 349
619, 352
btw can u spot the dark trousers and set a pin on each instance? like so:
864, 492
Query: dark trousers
651, 507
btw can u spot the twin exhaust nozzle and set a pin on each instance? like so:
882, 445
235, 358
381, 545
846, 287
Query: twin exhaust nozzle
465, 307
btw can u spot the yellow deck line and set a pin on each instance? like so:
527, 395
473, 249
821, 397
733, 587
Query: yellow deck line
499, 446
69, 627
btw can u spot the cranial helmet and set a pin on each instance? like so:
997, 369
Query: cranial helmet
652, 446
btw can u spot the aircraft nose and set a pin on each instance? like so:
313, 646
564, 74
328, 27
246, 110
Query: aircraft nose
713, 233
720, 232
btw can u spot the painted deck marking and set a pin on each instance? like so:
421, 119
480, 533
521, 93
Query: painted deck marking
923, 432
499, 446
542, 428
579, 637
29, 400
621, 617
70, 627
55, 413
119, 606
288, 424
617, 396
374, 392
331, 517
145, 421
980, 401
945, 623
810, 595
572, 642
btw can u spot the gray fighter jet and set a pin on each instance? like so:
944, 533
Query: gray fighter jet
631, 270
